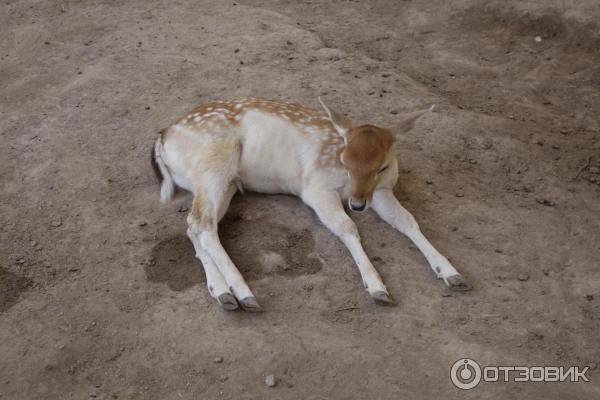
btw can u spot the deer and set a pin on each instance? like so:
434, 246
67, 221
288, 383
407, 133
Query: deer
278, 147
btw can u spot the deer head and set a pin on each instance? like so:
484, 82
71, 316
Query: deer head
367, 153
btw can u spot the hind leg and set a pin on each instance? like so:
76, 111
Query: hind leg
217, 286
207, 166
212, 196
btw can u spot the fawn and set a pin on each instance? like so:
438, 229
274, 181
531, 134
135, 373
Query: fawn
279, 147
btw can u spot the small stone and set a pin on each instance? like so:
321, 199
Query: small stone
218, 360
143, 223
394, 112
56, 223
459, 194
223, 378
523, 277
546, 202
429, 182
594, 170
183, 209
20, 260
270, 380
538, 39
93, 395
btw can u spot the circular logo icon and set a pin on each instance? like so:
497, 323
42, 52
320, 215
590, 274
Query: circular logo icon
465, 374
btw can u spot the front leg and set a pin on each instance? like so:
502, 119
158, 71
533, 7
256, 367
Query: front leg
328, 206
390, 210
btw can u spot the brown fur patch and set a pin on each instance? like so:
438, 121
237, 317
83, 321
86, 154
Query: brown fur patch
367, 147
365, 154
202, 212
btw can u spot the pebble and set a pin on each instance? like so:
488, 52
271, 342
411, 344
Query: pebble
20, 260
183, 209
523, 277
218, 360
143, 223
595, 170
270, 380
56, 223
546, 202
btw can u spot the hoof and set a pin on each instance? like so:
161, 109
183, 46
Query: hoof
382, 298
228, 302
457, 283
250, 304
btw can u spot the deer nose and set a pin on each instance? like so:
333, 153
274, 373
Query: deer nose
357, 205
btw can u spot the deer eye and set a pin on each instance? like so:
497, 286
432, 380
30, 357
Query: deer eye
383, 169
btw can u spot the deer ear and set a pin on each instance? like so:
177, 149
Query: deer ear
340, 122
408, 122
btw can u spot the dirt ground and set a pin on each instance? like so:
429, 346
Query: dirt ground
100, 293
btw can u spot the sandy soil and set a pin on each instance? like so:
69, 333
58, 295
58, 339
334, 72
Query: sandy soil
100, 293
